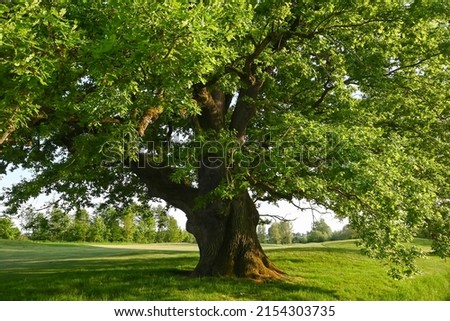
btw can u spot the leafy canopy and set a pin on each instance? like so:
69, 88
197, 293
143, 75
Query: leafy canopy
353, 112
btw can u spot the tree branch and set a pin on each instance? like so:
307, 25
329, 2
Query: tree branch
213, 104
327, 19
326, 89
159, 185
149, 116
10, 128
278, 217
412, 65
360, 24
245, 109
6, 134
269, 189
258, 50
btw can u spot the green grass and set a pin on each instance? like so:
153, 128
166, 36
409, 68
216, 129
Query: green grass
329, 271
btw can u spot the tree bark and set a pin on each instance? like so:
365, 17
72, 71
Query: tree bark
225, 230
227, 240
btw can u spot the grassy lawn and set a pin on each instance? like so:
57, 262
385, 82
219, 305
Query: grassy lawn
329, 271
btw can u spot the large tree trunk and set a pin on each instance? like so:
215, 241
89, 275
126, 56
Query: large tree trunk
225, 230
228, 243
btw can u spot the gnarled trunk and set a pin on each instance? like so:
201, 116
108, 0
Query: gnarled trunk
227, 240
225, 230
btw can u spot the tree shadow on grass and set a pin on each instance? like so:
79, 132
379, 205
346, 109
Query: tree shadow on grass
137, 276
60, 272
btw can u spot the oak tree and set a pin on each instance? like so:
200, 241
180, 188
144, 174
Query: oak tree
211, 106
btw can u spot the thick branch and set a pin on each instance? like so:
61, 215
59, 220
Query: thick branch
6, 134
149, 116
10, 129
416, 64
245, 109
272, 190
326, 89
213, 104
160, 185
258, 50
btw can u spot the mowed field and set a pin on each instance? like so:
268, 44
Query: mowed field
327, 271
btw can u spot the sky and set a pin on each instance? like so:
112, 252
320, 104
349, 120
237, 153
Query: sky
301, 220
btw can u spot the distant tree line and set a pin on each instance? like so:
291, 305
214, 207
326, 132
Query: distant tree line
282, 233
134, 223
7, 229
147, 224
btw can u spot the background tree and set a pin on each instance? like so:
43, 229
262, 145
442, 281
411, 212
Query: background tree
7, 229
80, 225
281, 232
98, 232
187, 237
346, 233
320, 232
261, 230
275, 233
129, 222
168, 229
111, 218
286, 231
37, 226
146, 226
344, 104
174, 232
58, 225
26, 220
299, 238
